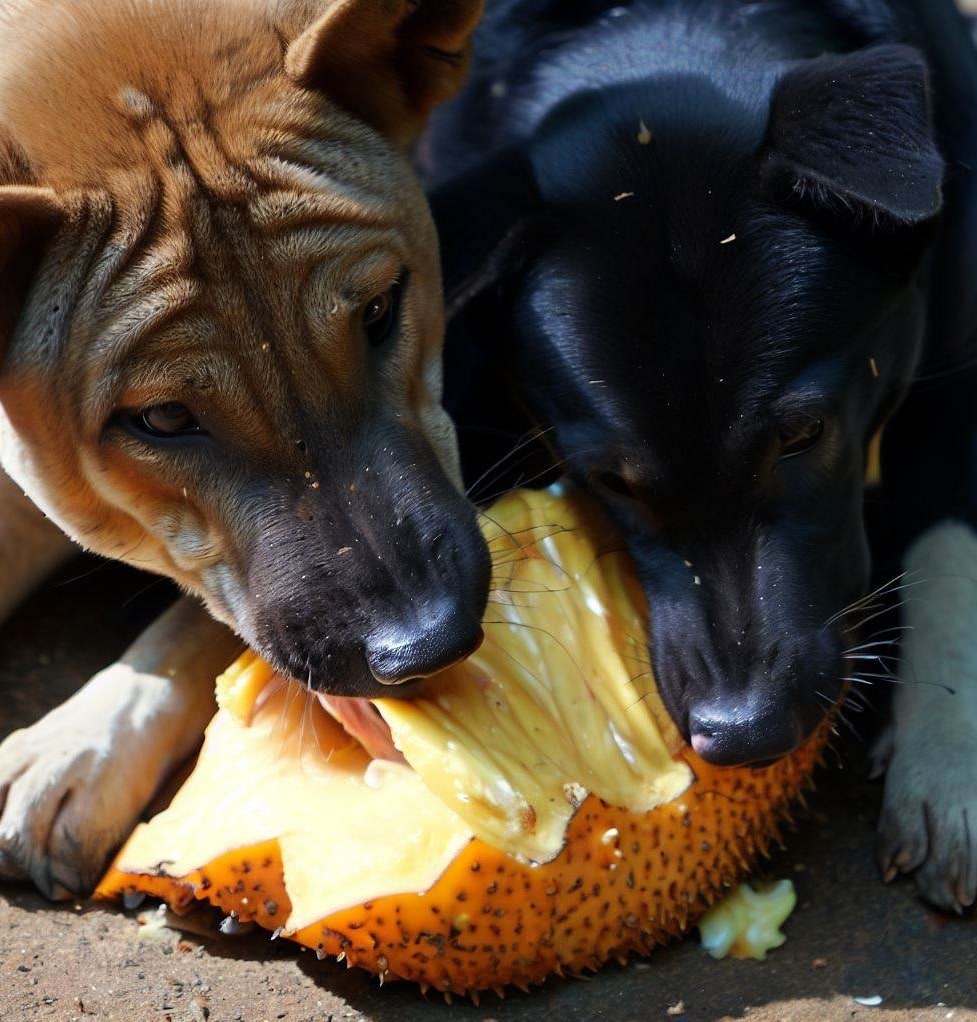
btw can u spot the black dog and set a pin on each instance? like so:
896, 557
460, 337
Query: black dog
711, 247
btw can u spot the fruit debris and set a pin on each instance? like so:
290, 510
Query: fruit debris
746, 924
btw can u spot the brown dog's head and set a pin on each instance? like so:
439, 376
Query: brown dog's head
221, 321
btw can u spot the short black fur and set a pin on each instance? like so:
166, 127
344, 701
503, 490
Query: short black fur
675, 234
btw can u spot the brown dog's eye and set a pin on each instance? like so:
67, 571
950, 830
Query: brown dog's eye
799, 437
167, 420
380, 315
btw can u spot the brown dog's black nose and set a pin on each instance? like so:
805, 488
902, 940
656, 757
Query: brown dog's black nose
441, 636
738, 731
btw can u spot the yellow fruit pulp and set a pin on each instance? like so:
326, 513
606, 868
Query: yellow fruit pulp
549, 818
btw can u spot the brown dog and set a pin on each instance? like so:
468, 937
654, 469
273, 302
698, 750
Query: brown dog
220, 342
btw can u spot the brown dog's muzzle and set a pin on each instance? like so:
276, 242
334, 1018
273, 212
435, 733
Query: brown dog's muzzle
372, 582
430, 641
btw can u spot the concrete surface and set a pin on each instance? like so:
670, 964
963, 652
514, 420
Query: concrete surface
850, 937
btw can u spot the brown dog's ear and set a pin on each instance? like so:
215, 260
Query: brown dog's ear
28, 217
388, 61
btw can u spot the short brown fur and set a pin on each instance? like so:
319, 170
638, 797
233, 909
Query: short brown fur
199, 200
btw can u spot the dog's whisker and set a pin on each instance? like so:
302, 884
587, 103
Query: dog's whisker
861, 609
520, 597
876, 658
516, 546
889, 630
476, 491
554, 464
102, 564
521, 666
849, 608
879, 613
892, 585
874, 649
868, 678
522, 556
857, 698
520, 482
519, 548
303, 716
886, 676
512, 585
530, 437
544, 631
292, 692
515, 600
637, 657
838, 713
883, 643
556, 528
152, 584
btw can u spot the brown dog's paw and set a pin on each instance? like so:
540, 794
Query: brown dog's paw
72, 785
928, 825
57, 828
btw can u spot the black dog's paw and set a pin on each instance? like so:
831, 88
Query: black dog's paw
928, 825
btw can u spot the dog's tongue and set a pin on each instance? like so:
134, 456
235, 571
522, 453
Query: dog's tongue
361, 719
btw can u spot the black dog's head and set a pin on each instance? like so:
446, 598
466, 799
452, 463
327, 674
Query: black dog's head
713, 299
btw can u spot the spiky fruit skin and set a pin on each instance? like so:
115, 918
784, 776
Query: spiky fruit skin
622, 884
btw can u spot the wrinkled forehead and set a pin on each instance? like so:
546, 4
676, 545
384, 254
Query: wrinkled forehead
302, 206
286, 269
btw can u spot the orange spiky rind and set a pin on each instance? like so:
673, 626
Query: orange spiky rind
491, 921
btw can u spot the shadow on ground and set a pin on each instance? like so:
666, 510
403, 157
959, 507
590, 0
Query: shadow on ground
850, 936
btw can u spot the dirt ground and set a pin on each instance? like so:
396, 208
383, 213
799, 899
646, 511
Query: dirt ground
851, 936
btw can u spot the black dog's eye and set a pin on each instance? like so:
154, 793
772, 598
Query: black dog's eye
614, 483
799, 437
380, 315
166, 420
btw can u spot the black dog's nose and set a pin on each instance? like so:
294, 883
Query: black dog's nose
440, 637
736, 732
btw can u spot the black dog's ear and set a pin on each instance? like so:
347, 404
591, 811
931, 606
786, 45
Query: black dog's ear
854, 132
482, 218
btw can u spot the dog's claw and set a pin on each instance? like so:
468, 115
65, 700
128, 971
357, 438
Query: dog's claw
65, 804
55, 892
948, 878
41, 767
925, 830
928, 824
